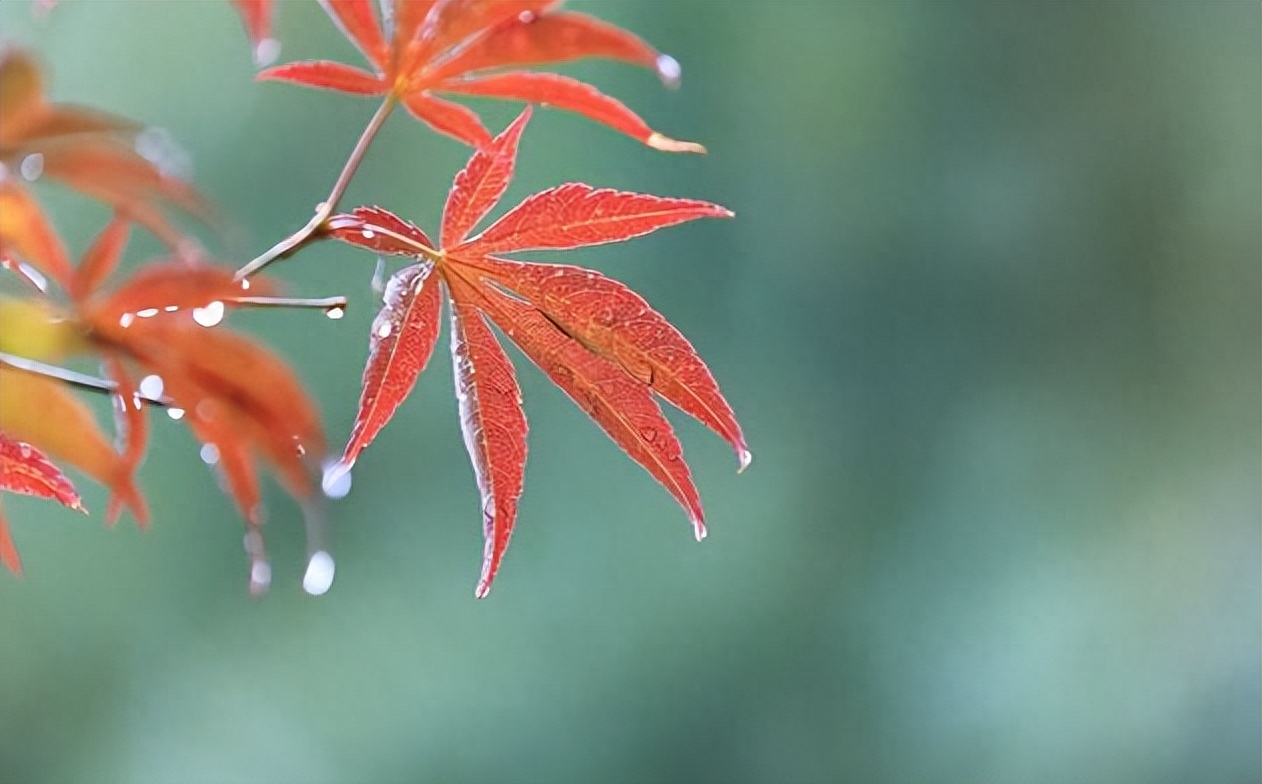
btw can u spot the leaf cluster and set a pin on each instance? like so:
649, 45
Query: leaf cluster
158, 335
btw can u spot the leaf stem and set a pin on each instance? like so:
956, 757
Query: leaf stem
326, 304
71, 377
294, 242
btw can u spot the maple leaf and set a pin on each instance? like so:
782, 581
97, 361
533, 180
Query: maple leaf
597, 340
85, 149
27, 471
235, 396
463, 47
240, 400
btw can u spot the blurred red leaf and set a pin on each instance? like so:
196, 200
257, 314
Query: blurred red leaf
449, 46
87, 150
600, 342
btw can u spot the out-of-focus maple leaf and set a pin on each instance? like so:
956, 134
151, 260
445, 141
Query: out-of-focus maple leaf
472, 47
234, 395
256, 15
27, 471
87, 150
600, 342
158, 336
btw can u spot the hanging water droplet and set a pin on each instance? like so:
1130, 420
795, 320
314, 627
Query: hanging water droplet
336, 312
210, 315
668, 70
319, 575
266, 52
210, 454
32, 166
336, 480
175, 413
260, 577
147, 312
151, 386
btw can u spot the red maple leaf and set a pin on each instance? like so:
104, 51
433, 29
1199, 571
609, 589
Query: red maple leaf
468, 47
27, 471
596, 339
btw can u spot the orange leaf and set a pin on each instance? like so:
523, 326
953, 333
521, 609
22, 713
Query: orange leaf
437, 44
596, 339
45, 415
402, 339
25, 470
494, 427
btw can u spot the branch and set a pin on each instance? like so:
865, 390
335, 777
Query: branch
333, 307
294, 242
71, 377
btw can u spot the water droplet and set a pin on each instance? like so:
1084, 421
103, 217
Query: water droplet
171, 308
32, 274
151, 386
126, 319
319, 575
147, 312
210, 315
159, 147
379, 277
668, 70
245, 285
368, 234
266, 52
260, 577
25, 449
32, 166
526, 17
746, 457
175, 413
210, 454
335, 312
649, 434
384, 330
336, 481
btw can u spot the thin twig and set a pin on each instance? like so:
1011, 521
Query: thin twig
295, 241
327, 304
72, 377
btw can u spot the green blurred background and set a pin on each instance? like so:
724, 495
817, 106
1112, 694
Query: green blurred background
989, 314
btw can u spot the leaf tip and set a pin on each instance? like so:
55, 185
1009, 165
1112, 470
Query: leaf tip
666, 144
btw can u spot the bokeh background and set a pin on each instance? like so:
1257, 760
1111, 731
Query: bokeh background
989, 314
